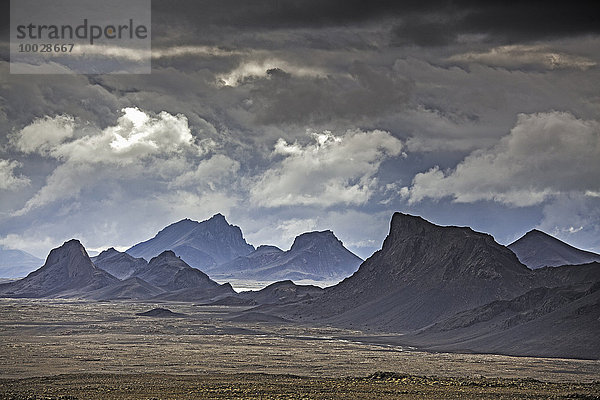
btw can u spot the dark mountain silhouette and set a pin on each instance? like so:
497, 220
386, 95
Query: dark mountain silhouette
453, 289
118, 264
67, 272
17, 263
423, 274
314, 255
200, 244
180, 281
537, 249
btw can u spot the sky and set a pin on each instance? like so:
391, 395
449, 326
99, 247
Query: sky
293, 116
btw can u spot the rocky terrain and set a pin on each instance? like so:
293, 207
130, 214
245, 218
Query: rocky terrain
380, 385
537, 249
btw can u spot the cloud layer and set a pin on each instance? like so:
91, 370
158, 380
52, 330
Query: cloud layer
330, 170
545, 154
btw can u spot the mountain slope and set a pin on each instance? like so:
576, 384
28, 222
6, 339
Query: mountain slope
282, 292
537, 249
118, 264
179, 281
17, 263
555, 322
423, 274
169, 272
132, 288
200, 244
313, 255
68, 271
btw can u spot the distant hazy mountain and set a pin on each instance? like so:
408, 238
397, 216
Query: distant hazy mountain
537, 249
200, 244
119, 264
314, 255
17, 263
67, 271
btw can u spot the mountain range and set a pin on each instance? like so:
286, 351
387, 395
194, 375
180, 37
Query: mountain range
537, 249
313, 255
68, 271
450, 288
443, 288
200, 244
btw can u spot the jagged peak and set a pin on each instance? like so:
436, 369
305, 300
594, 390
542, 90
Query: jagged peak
72, 242
218, 216
110, 250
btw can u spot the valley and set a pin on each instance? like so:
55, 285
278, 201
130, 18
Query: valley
76, 345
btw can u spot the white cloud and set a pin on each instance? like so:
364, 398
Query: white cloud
8, 180
329, 170
258, 69
139, 147
544, 155
44, 134
519, 56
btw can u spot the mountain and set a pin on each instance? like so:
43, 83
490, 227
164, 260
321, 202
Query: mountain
313, 255
129, 289
281, 293
537, 249
546, 322
17, 263
200, 244
453, 289
423, 273
67, 272
118, 264
180, 281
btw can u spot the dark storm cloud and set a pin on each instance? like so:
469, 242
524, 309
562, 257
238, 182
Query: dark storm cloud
422, 23
364, 92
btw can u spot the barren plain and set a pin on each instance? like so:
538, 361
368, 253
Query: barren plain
60, 348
